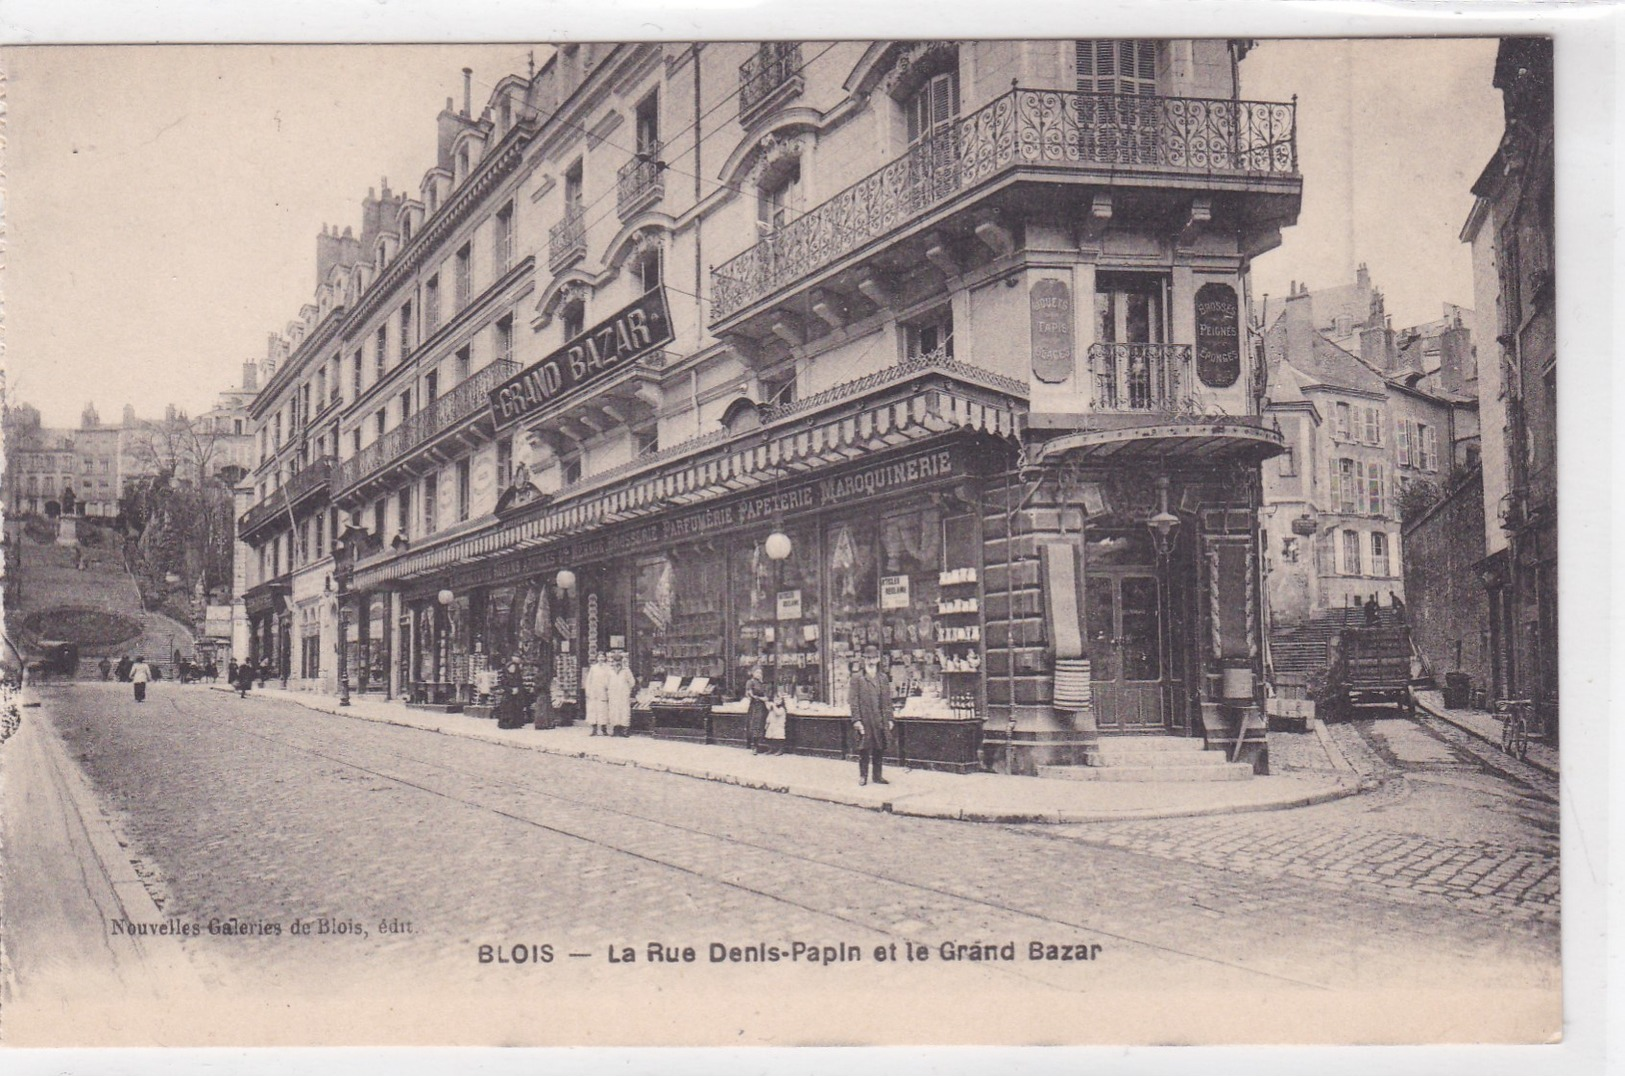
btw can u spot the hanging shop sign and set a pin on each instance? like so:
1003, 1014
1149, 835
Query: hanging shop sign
789, 605
1218, 335
894, 592
602, 350
1051, 302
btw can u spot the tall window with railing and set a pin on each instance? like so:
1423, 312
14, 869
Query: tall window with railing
504, 338
775, 66
779, 200
1134, 368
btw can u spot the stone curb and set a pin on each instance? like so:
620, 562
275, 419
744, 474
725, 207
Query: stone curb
113, 863
898, 806
1444, 716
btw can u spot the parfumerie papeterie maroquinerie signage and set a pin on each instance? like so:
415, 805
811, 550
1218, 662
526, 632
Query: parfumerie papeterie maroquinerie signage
611, 345
884, 479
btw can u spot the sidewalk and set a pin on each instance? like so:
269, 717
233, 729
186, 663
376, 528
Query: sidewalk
975, 797
69, 888
1486, 727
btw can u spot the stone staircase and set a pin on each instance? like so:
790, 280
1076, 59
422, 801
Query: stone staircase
1153, 758
1300, 650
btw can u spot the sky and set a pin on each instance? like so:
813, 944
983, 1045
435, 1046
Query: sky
1391, 136
162, 203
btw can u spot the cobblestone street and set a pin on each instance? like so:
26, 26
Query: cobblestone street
405, 852
1439, 827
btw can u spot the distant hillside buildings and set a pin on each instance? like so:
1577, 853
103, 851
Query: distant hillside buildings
84, 470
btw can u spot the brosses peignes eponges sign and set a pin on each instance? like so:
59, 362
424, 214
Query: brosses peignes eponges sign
611, 345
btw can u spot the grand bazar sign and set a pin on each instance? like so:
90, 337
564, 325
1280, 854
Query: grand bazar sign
609, 346
850, 487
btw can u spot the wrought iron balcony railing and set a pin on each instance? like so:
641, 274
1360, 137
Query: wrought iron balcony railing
1023, 129
640, 181
295, 489
1143, 378
467, 398
773, 66
567, 240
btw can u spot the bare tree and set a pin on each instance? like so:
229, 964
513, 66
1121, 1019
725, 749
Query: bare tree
184, 447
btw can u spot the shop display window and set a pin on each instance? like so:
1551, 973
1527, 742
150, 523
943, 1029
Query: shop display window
777, 617
884, 590
678, 612
375, 646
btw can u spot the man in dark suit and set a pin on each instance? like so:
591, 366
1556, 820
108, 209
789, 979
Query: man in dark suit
869, 695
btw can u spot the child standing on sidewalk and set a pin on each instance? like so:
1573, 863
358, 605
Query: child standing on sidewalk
773, 730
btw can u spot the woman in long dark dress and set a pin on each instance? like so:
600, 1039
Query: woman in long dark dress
515, 699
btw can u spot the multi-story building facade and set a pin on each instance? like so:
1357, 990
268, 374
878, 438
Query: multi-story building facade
1368, 432
754, 355
97, 460
40, 463
1511, 229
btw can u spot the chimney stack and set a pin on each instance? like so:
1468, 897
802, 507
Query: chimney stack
251, 377
468, 91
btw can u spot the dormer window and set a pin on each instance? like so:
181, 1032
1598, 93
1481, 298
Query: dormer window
462, 164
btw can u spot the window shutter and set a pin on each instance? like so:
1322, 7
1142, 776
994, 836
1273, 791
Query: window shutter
1145, 55
1094, 65
1359, 485
1404, 435
1337, 484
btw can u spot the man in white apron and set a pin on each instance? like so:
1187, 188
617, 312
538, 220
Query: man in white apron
622, 684
595, 686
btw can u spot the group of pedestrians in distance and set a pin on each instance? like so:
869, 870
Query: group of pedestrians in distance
139, 672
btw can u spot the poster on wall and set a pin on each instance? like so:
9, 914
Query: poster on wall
1218, 335
894, 592
789, 605
1051, 302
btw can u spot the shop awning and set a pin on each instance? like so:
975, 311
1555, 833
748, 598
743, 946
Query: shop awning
755, 459
1215, 439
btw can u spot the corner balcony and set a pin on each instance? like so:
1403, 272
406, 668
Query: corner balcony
991, 160
444, 429
278, 506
